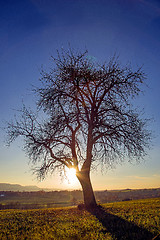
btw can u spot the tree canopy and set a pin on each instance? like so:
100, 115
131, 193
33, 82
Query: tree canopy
89, 119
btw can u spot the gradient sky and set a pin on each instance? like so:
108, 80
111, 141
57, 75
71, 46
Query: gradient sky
32, 30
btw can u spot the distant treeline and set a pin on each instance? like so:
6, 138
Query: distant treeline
41, 199
127, 194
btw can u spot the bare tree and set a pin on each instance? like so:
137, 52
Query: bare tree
89, 118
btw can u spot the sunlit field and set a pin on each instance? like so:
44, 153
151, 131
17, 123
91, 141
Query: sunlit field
136, 220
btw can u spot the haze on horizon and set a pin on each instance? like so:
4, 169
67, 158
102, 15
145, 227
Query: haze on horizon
32, 31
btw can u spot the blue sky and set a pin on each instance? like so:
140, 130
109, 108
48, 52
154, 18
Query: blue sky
32, 30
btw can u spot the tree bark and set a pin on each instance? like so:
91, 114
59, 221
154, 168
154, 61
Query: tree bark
88, 194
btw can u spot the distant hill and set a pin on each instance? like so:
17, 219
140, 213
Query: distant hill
18, 187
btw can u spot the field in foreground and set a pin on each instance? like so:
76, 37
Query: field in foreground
133, 220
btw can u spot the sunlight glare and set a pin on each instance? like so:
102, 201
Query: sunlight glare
71, 175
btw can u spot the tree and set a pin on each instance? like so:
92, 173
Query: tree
89, 118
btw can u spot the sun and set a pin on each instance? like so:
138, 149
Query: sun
71, 175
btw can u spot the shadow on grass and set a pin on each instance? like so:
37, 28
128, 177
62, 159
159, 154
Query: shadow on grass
120, 228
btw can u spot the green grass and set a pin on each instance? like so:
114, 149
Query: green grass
131, 220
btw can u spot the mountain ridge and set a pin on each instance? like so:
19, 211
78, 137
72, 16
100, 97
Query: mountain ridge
18, 187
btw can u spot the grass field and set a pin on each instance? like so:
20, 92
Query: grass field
132, 220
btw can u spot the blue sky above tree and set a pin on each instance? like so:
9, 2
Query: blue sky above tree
32, 31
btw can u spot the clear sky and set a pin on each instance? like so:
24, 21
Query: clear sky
32, 30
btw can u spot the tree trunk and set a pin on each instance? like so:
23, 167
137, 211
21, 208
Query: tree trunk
88, 194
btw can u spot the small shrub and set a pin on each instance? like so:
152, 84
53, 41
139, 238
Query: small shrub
81, 206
